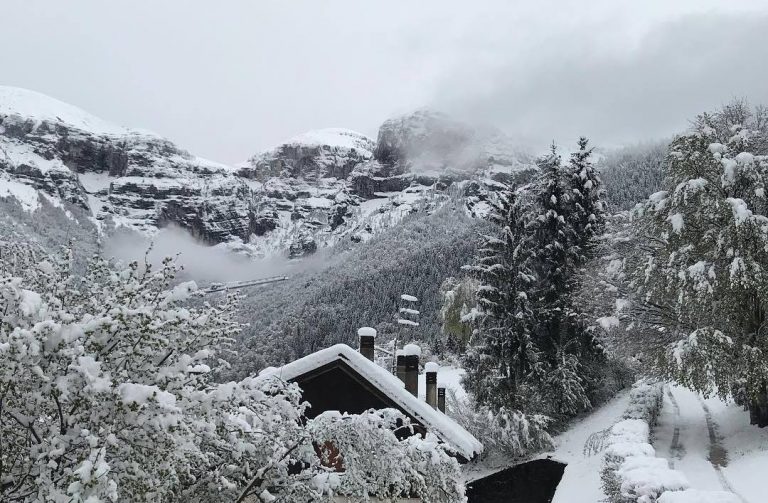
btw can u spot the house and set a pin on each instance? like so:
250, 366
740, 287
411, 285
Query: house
343, 379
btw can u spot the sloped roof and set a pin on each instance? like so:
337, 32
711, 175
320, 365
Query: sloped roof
445, 428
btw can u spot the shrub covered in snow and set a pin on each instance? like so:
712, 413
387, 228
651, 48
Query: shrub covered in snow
645, 401
645, 478
631, 471
504, 433
415, 466
106, 394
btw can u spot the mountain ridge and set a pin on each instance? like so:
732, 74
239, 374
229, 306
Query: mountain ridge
308, 192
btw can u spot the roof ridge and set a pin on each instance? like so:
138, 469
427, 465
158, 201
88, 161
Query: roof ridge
443, 426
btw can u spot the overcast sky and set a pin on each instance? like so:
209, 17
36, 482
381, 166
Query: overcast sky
227, 78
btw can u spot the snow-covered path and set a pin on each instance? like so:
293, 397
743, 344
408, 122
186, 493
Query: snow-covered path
689, 436
581, 479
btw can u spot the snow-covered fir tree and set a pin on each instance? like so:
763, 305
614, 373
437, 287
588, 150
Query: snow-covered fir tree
556, 250
587, 210
532, 347
502, 358
565, 224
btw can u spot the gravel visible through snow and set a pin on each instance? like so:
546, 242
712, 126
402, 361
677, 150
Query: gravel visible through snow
676, 451
718, 455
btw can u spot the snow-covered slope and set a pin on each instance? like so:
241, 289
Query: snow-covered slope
309, 192
135, 178
31, 105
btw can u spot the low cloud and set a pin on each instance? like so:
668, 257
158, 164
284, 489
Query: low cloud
203, 263
576, 84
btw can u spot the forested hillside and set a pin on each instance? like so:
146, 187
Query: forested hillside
360, 287
632, 173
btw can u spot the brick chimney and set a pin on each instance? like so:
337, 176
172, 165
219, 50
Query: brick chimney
367, 337
400, 358
412, 353
441, 399
430, 370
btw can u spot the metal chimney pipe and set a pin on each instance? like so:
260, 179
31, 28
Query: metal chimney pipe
431, 379
441, 399
367, 337
400, 364
412, 353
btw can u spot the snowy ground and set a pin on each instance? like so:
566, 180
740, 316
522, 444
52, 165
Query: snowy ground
580, 448
713, 444
710, 441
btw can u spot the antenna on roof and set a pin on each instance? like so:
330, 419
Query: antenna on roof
407, 318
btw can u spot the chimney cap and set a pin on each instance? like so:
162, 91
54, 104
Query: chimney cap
431, 367
411, 350
366, 332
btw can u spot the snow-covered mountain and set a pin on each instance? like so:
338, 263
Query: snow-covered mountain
309, 192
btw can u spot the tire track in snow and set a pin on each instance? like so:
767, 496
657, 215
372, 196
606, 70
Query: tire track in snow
675, 449
718, 455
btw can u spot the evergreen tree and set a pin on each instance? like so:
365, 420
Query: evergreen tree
532, 344
570, 217
586, 209
502, 358
554, 238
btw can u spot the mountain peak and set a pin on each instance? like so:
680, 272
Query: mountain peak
37, 106
332, 137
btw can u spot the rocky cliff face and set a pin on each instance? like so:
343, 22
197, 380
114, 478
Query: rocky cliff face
136, 178
430, 141
309, 192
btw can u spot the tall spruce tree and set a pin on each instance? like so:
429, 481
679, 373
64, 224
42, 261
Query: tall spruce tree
586, 210
586, 216
502, 360
556, 250
530, 347
570, 217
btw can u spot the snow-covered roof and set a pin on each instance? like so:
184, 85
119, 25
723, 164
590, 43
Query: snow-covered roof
38, 106
445, 428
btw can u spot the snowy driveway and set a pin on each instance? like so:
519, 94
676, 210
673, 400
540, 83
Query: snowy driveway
579, 448
713, 444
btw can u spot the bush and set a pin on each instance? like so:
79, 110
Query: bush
506, 434
631, 471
